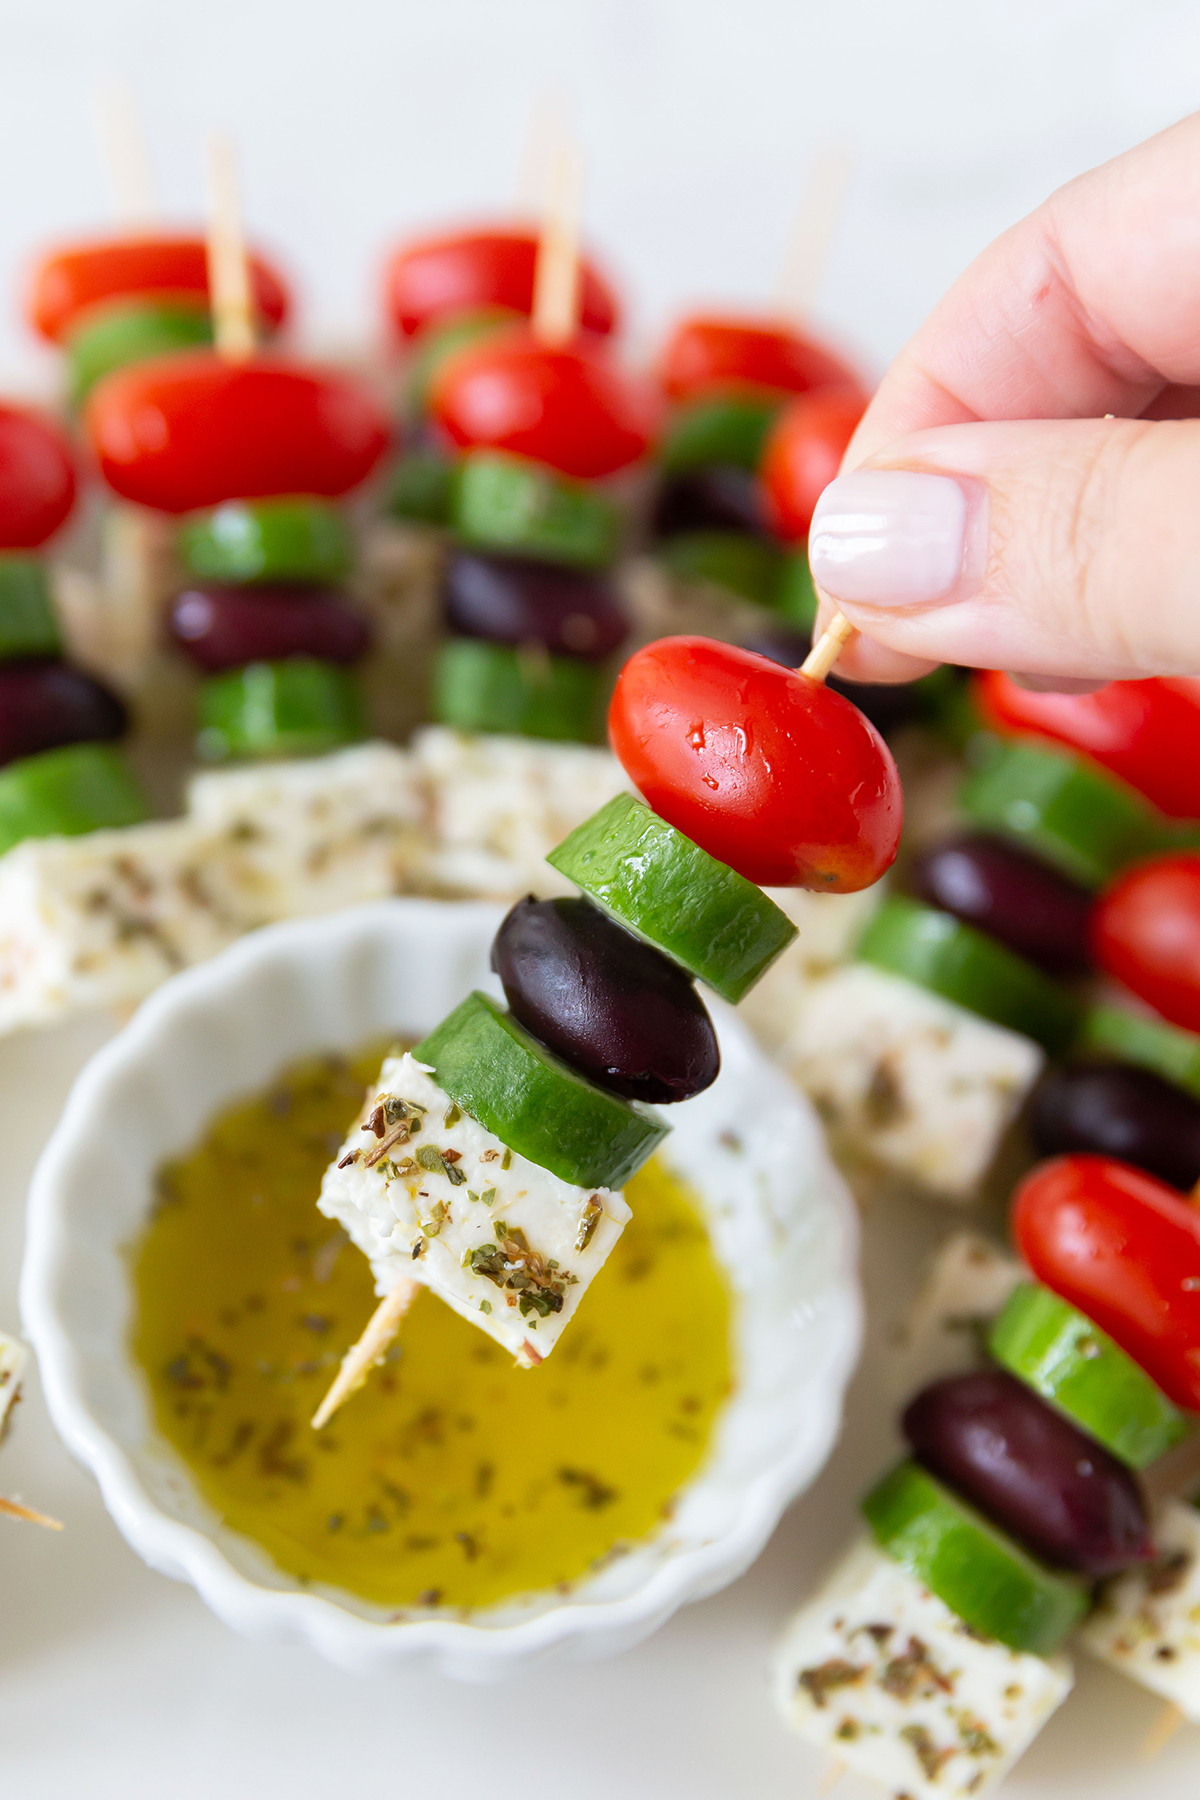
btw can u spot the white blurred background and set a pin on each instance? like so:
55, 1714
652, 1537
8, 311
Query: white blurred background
359, 120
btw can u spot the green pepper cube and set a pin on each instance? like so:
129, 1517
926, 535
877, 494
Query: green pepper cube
299, 707
1078, 1369
481, 686
661, 886
65, 792
505, 502
296, 538
28, 626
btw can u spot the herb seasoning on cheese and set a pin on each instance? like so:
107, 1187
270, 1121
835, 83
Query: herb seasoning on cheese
453, 1478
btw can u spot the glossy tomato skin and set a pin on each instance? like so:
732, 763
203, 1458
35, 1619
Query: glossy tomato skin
709, 352
1145, 732
470, 269
803, 454
572, 407
1124, 1248
37, 479
1145, 932
69, 281
768, 771
191, 430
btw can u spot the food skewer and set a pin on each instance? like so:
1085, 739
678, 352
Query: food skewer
231, 296
369, 1350
827, 648
125, 155
557, 277
14, 1510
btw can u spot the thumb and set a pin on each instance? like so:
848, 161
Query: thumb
1066, 548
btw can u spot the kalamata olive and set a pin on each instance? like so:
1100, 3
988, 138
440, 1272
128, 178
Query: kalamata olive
887, 705
1031, 1471
717, 497
226, 627
613, 1007
514, 600
1010, 895
45, 703
1113, 1109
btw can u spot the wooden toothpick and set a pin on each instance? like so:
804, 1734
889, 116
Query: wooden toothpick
125, 156
14, 1510
556, 279
230, 295
822, 208
1162, 1731
370, 1349
827, 648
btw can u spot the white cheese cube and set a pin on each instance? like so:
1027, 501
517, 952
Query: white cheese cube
908, 1079
13, 1357
965, 1287
1147, 1621
100, 920
309, 835
498, 804
441, 1200
880, 1673
829, 926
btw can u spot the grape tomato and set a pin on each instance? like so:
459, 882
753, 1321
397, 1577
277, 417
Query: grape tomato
1145, 932
69, 281
803, 454
708, 353
37, 479
466, 270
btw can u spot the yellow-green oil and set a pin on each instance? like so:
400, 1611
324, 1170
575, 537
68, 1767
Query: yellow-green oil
453, 1478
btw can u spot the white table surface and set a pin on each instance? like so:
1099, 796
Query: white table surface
117, 1682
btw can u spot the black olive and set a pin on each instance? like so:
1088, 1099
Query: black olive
716, 497
1031, 1471
1112, 1109
45, 703
612, 1006
1012, 896
514, 600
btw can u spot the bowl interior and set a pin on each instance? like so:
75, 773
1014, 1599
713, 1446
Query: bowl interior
778, 1213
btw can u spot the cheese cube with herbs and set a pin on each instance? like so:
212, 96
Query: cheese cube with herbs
907, 1079
498, 804
297, 838
966, 1286
1147, 1622
13, 1357
427, 1193
828, 926
880, 1673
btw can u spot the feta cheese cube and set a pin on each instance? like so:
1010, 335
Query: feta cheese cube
966, 1285
829, 926
907, 1079
13, 1357
306, 836
100, 920
876, 1670
439, 1199
498, 804
1147, 1621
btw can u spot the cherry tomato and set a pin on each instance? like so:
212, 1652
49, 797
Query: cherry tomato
1145, 932
37, 479
1146, 732
69, 281
1125, 1249
571, 407
803, 454
472, 269
768, 771
706, 352
192, 430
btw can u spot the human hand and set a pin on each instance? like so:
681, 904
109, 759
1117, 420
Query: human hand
993, 515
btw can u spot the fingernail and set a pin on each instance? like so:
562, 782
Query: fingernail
889, 537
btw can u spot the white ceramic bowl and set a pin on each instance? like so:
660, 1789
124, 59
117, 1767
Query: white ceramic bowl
781, 1220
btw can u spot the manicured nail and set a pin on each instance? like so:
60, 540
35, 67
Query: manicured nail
889, 537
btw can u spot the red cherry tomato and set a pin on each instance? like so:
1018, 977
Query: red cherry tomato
471, 269
803, 454
1145, 932
37, 479
571, 407
192, 430
768, 771
69, 281
1147, 732
1125, 1249
707, 352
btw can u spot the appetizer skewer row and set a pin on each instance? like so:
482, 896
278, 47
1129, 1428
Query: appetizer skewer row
932, 1657
488, 1162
